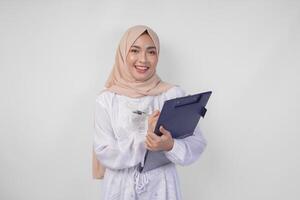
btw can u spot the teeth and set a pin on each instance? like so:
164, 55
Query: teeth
142, 68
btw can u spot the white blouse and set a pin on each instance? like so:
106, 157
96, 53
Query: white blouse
119, 145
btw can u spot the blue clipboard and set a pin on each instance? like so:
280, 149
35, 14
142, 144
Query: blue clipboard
180, 116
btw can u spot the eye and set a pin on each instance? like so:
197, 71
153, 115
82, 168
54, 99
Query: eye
152, 52
134, 50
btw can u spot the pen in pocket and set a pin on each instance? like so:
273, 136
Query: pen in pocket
139, 112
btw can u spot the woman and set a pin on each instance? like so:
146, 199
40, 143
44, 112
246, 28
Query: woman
123, 130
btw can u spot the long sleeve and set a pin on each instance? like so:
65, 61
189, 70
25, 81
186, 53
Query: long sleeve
186, 151
113, 153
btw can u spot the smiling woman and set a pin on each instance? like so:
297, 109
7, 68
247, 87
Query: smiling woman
124, 131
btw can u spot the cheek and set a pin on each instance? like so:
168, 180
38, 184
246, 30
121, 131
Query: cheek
130, 60
154, 62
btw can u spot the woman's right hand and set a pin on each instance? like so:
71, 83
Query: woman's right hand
154, 142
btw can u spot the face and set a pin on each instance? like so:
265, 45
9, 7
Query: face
142, 58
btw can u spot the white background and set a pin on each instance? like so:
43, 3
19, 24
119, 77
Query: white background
56, 55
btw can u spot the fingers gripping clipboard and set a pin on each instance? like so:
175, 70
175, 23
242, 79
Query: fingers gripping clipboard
180, 116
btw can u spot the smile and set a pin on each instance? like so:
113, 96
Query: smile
141, 69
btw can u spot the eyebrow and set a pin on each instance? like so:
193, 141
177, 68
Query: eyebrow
138, 47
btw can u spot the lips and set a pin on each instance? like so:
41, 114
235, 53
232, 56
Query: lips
141, 69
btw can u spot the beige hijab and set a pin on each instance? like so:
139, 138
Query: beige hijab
121, 81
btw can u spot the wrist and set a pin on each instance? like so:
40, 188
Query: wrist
170, 146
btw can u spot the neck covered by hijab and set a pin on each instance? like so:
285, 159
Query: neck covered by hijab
120, 80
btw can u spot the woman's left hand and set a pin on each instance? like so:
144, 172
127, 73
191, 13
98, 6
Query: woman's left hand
159, 143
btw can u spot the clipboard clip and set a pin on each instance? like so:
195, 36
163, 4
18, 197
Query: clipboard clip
186, 101
190, 100
203, 111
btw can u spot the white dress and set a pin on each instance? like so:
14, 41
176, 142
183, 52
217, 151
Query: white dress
119, 145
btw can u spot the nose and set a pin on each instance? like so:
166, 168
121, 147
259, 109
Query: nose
143, 57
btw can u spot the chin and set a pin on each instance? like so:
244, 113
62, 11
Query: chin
141, 78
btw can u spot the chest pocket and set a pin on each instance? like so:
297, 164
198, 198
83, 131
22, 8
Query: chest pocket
128, 122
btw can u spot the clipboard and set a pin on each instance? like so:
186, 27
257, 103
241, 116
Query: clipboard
180, 116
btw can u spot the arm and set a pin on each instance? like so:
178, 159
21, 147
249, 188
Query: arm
187, 150
179, 151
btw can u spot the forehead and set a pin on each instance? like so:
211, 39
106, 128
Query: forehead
143, 40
